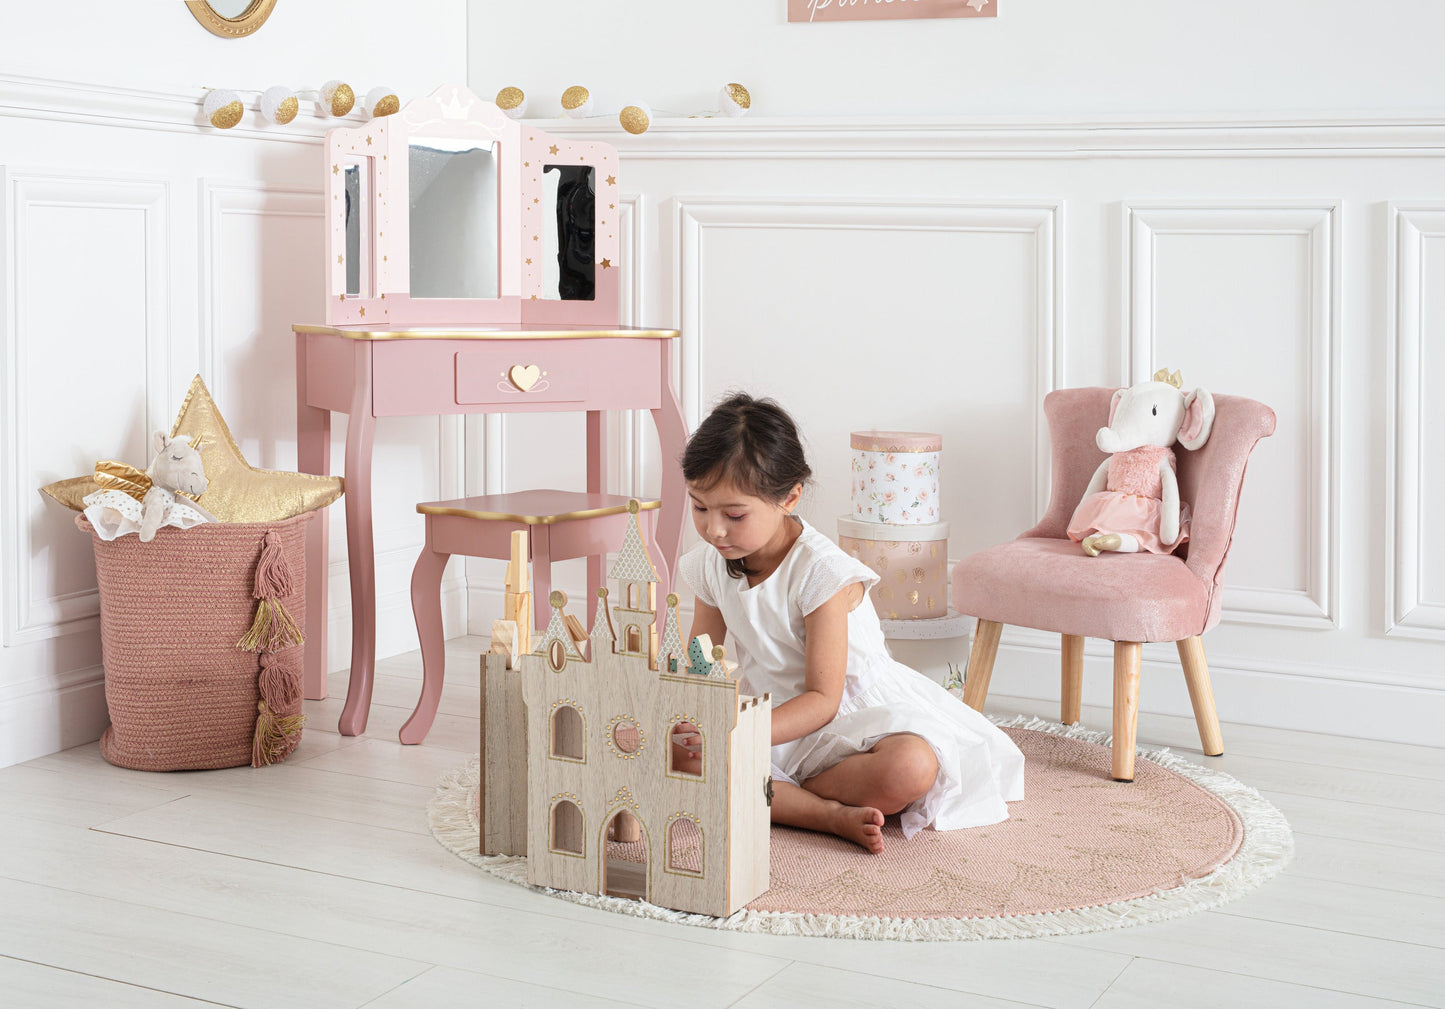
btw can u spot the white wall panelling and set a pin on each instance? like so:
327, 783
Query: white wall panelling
1279, 264
1415, 485
934, 318
88, 259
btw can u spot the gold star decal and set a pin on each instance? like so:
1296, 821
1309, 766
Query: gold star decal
552, 149
335, 169
363, 312
534, 297
340, 260
607, 264
535, 238
529, 262
611, 206
612, 180
526, 164
368, 141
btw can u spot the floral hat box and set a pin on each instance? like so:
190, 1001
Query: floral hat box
895, 477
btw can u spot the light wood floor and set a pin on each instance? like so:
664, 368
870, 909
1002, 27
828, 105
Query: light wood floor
315, 884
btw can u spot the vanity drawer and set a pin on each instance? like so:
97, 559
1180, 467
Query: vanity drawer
488, 376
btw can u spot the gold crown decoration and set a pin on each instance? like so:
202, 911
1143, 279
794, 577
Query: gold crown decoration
1163, 375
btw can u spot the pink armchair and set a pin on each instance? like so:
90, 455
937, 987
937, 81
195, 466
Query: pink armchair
1044, 580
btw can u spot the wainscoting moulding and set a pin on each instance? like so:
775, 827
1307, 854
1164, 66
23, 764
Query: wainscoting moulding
27, 619
693, 216
1317, 606
1407, 613
1148, 135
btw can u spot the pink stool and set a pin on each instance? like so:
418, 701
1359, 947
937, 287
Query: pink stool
561, 525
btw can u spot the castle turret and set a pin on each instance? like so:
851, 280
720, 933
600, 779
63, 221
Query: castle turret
671, 654
636, 609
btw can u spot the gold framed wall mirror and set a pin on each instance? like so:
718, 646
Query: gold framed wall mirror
231, 19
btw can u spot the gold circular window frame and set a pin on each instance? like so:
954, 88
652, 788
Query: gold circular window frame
252, 18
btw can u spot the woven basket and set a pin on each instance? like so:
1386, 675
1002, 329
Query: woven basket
182, 695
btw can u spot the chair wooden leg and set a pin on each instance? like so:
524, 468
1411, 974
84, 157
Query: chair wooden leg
980, 663
1126, 706
1201, 695
1071, 667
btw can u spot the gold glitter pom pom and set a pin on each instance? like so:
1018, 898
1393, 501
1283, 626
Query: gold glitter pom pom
740, 96
342, 100
635, 119
286, 110
575, 97
510, 98
227, 116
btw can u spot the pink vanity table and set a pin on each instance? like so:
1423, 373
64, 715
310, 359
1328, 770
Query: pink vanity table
472, 266
368, 372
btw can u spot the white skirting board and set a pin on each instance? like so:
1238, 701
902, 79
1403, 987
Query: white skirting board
1291, 700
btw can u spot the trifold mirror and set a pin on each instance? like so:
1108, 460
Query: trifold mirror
449, 212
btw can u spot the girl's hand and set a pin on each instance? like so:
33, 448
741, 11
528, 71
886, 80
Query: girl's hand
686, 746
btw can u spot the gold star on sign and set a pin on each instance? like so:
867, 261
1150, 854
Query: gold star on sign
552, 149
363, 312
607, 264
612, 180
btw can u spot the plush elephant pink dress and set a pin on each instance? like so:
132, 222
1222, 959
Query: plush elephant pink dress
1131, 501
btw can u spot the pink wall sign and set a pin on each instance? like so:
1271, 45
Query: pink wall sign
888, 10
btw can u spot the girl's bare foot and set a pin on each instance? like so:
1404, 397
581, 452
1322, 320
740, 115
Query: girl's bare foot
859, 824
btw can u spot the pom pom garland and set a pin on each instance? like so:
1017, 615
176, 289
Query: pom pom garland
223, 108
381, 101
577, 101
279, 104
512, 101
336, 98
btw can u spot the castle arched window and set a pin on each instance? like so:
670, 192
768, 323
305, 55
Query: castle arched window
684, 845
634, 639
685, 752
568, 733
568, 827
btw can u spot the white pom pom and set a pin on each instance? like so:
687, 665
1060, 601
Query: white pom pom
223, 108
337, 98
512, 101
734, 100
577, 101
382, 101
279, 104
635, 118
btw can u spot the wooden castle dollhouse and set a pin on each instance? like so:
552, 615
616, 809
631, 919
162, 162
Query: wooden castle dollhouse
580, 759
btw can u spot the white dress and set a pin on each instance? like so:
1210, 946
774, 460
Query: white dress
980, 769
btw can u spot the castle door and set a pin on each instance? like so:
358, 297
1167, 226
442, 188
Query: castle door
624, 859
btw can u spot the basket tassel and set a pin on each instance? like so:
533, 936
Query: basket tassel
278, 713
273, 628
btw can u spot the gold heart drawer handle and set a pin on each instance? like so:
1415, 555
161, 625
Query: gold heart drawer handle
524, 376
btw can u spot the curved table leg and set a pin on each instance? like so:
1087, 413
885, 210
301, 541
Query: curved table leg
360, 425
426, 606
672, 436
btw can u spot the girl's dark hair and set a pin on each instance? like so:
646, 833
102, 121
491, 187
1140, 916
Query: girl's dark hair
752, 443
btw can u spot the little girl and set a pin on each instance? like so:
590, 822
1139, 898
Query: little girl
856, 735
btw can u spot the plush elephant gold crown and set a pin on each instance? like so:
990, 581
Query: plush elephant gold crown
1176, 380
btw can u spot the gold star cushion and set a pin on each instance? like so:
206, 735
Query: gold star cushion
238, 492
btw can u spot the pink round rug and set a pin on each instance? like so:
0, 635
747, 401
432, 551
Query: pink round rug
1080, 853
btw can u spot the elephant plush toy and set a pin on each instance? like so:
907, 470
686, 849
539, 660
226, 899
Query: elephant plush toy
1132, 502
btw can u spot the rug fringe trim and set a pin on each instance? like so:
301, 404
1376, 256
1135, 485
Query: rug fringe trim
1267, 847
